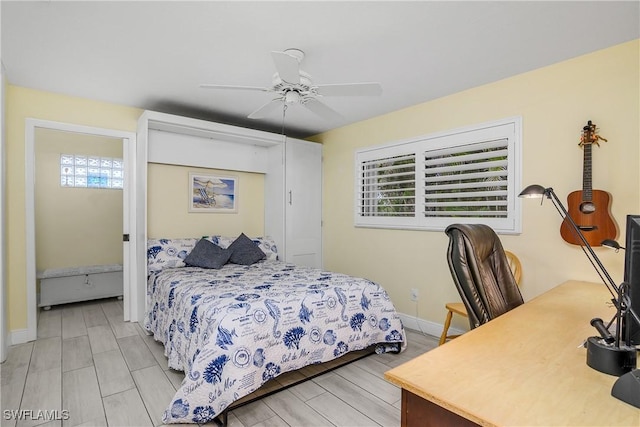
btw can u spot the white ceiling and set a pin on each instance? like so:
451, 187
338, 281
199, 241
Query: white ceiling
154, 55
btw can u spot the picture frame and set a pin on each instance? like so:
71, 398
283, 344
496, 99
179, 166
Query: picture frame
213, 193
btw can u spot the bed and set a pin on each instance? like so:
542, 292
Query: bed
233, 328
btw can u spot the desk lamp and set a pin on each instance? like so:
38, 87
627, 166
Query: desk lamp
612, 244
607, 353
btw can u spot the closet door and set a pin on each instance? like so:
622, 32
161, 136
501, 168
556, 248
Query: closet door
303, 203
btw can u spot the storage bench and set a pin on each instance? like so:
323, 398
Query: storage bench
65, 285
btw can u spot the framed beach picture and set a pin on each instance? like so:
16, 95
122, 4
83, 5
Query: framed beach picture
213, 193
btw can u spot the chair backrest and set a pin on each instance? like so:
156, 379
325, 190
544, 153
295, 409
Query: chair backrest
515, 265
481, 272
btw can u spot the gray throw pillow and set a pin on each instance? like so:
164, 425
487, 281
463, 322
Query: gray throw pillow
207, 255
244, 251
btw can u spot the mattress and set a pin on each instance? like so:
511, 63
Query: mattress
233, 329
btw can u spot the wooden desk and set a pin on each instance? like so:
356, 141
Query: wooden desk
525, 368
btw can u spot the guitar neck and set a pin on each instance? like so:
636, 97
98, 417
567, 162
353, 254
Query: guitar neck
587, 190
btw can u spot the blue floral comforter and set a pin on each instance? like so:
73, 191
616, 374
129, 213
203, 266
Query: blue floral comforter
231, 330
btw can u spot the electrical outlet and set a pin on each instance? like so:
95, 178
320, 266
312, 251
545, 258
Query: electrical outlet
414, 294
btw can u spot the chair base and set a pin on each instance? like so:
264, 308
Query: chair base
451, 308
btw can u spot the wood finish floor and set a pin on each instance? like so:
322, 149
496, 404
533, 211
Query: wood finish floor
107, 372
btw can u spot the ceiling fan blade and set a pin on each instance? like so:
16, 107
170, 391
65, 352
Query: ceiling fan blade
287, 66
212, 86
266, 109
322, 109
350, 89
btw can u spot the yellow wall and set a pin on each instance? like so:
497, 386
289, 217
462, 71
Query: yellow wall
75, 226
23, 103
555, 102
170, 220
168, 195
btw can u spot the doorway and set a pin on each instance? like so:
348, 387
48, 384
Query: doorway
34, 130
78, 215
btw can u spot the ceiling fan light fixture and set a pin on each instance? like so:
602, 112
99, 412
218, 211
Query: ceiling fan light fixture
304, 85
292, 97
291, 85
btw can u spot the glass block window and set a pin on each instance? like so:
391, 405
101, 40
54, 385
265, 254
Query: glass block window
91, 171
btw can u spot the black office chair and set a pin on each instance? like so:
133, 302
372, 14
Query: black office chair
481, 272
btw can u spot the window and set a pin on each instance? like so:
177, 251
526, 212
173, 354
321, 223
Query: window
469, 175
91, 172
388, 188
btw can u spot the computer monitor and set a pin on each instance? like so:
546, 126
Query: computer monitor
632, 273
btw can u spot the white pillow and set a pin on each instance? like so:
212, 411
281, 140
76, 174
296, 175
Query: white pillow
168, 253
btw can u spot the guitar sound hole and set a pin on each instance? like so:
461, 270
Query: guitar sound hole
587, 207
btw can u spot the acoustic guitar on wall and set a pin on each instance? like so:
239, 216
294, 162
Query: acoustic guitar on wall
589, 208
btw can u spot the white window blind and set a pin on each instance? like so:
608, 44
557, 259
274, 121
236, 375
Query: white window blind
388, 186
469, 175
467, 181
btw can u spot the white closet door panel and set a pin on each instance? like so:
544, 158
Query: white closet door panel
274, 205
304, 203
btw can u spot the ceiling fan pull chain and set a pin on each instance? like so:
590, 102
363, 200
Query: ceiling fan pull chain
284, 111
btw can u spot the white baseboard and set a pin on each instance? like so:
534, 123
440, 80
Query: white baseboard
18, 336
426, 326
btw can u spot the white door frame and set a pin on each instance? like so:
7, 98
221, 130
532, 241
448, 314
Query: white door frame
129, 216
4, 340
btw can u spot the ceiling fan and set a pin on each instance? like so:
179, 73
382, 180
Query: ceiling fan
294, 86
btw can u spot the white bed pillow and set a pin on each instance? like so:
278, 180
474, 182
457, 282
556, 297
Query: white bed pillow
268, 246
168, 253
